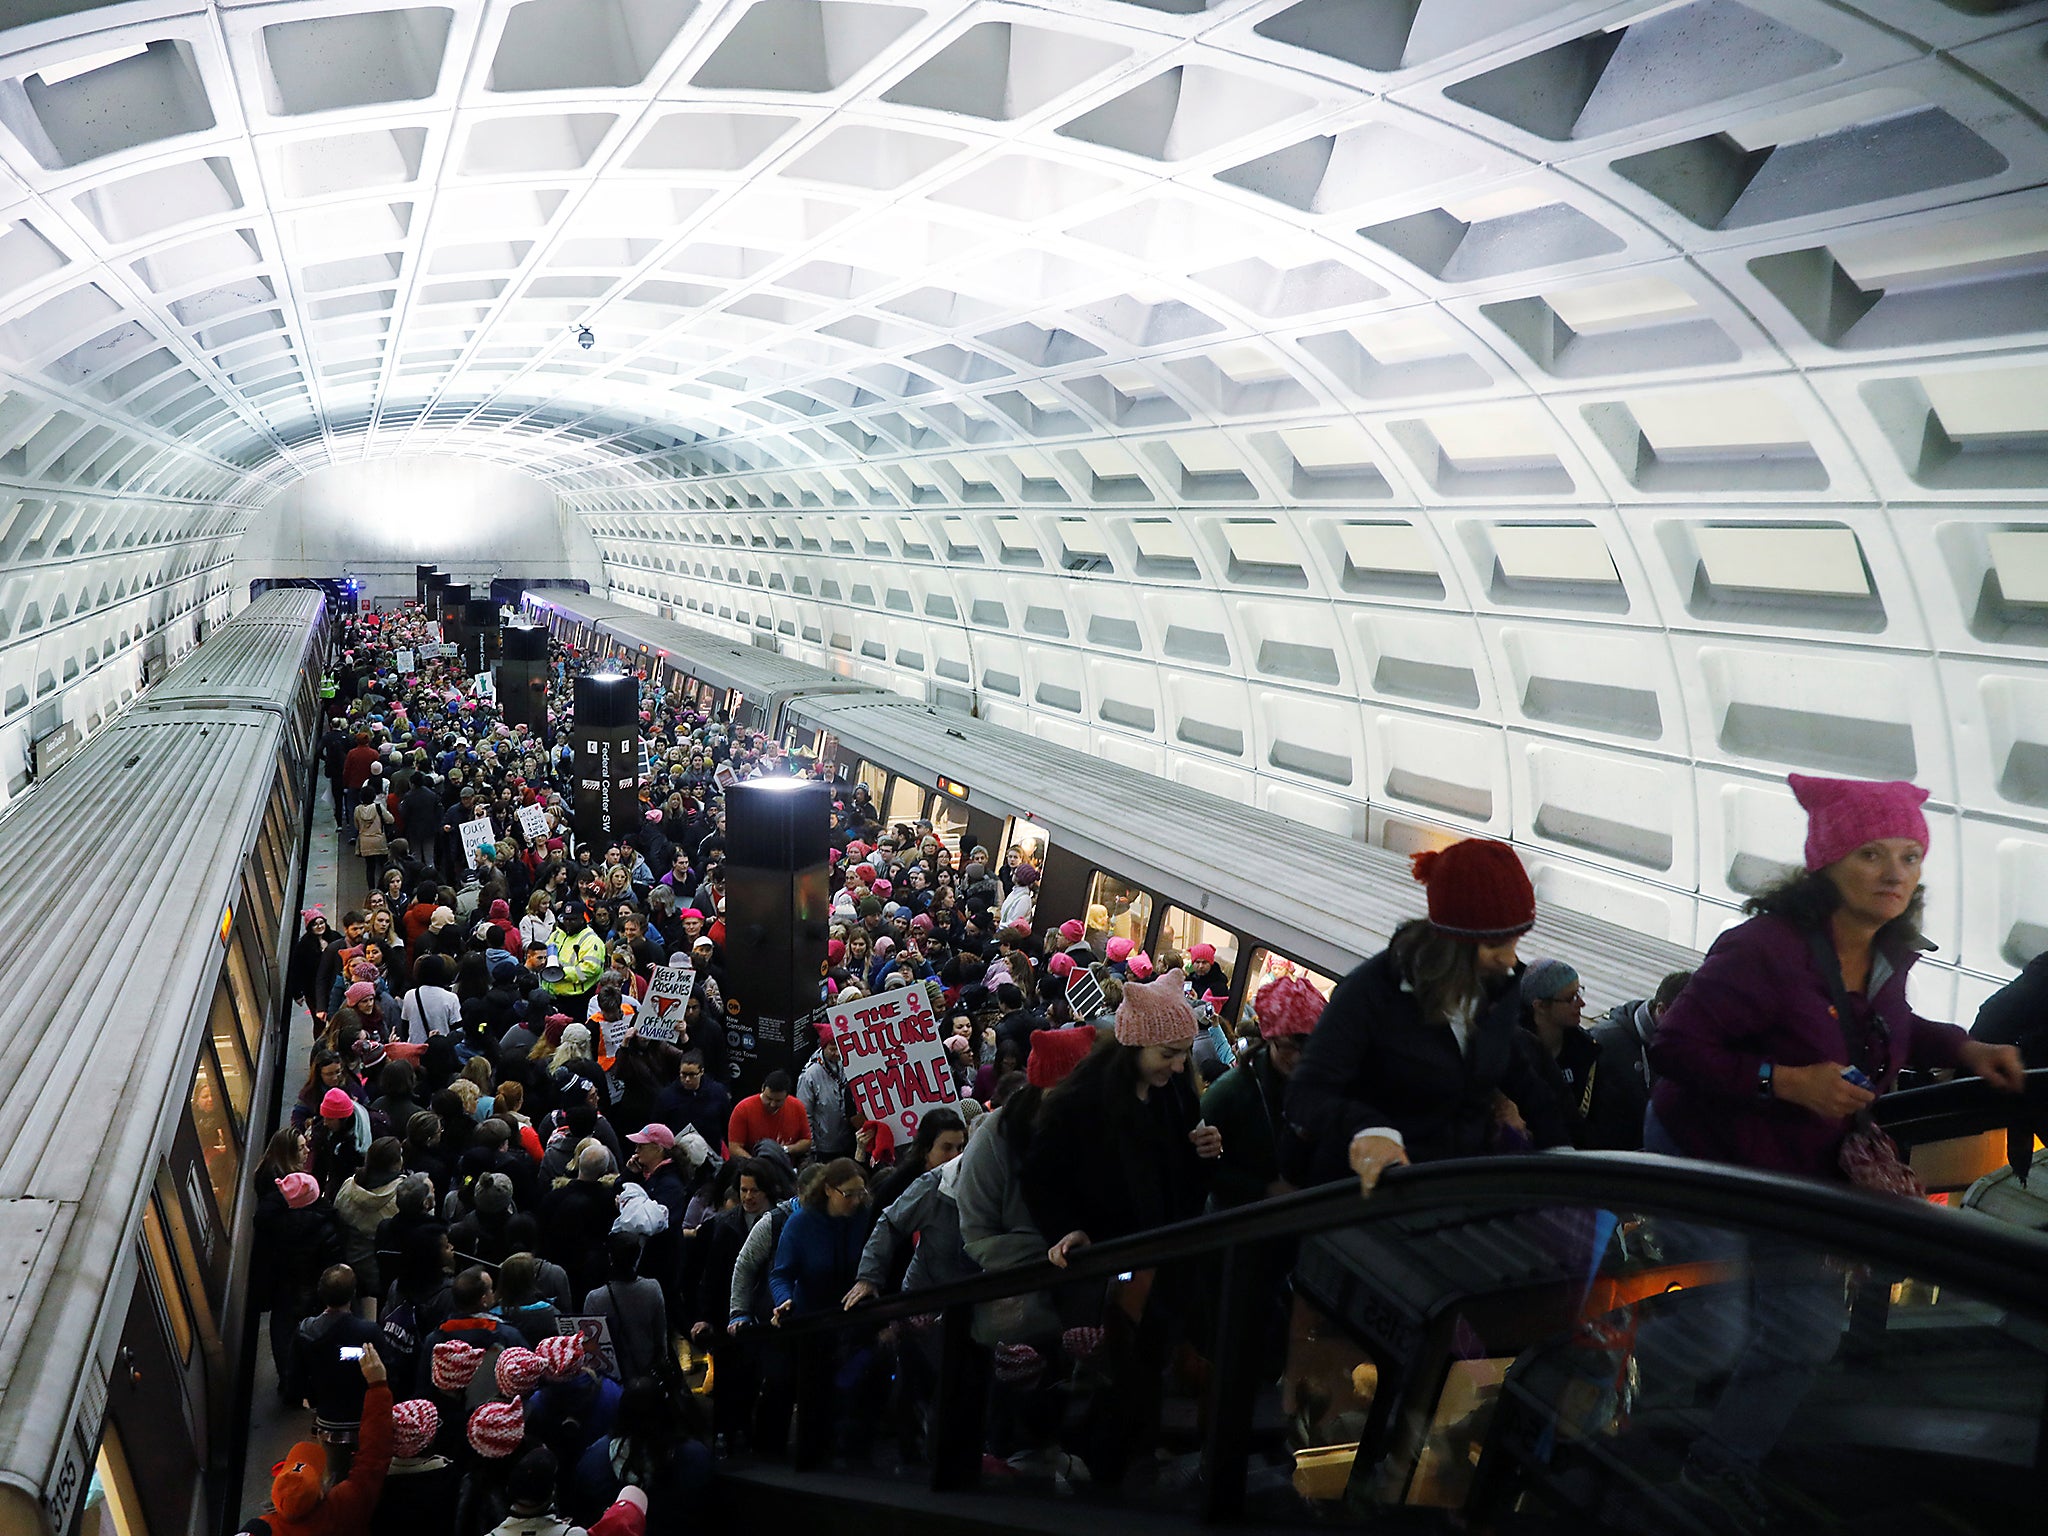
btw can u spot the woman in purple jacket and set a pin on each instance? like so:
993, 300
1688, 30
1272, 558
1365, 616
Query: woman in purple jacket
1752, 1055
1755, 1058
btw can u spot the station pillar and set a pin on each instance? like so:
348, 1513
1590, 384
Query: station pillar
522, 677
479, 635
778, 902
606, 742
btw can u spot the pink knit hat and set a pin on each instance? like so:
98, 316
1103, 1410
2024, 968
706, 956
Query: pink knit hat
360, 992
335, 1104
496, 1430
1287, 1005
1844, 814
300, 1189
519, 1371
1155, 1012
1060, 964
414, 1423
1119, 948
454, 1365
1139, 967
1072, 931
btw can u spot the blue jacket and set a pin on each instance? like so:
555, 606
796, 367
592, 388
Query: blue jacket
817, 1260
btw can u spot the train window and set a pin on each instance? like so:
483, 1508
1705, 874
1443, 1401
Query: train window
1118, 910
1028, 836
247, 995
216, 1137
1181, 930
906, 801
949, 823
230, 1055
113, 1506
168, 1285
875, 777
1267, 966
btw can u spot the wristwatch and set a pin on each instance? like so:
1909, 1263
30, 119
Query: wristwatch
1763, 1080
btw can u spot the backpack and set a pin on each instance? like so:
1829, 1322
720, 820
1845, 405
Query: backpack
399, 1323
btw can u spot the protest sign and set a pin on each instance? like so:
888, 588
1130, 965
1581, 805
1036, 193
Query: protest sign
482, 686
1084, 996
724, 776
403, 660
533, 821
894, 1057
668, 993
475, 836
598, 1351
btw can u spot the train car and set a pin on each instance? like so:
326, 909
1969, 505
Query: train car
1145, 858
746, 684
1165, 865
153, 885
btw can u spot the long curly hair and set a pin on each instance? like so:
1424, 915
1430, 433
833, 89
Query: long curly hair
1807, 899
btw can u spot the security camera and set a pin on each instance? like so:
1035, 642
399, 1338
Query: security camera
585, 337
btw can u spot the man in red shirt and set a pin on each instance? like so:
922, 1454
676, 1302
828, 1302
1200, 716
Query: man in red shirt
773, 1114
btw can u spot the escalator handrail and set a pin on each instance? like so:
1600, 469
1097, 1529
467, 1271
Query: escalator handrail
1963, 1106
2000, 1264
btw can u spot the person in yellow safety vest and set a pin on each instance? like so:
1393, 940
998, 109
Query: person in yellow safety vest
577, 952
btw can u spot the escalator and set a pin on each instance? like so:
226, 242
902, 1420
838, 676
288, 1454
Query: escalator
1577, 1342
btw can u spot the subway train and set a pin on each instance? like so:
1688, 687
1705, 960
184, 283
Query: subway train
153, 885
1161, 863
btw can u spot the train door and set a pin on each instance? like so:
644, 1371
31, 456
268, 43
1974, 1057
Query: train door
148, 1429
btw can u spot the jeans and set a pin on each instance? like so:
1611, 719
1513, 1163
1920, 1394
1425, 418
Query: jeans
1771, 1325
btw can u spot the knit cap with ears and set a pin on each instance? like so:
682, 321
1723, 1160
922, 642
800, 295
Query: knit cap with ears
299, 1189
335, 1104
1155, 1012
1844, 814
1478, 890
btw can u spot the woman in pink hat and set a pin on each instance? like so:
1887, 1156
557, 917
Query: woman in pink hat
1754, 1056
1795, 1023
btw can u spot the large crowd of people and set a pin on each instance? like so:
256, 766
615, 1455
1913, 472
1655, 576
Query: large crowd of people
527, 1263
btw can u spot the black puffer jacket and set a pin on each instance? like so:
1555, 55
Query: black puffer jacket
1372, 1061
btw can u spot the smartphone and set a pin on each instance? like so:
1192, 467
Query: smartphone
351, 1351
1857, 1076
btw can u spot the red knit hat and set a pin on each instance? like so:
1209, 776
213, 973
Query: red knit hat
1478, 890
1055, 1053
1287, 1005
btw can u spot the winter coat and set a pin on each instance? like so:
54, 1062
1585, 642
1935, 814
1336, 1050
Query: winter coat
1117, 1169
926, 1216
816, 1260
361, 1211
2017, 1014
1373, 1061
371, 818
1246, 1105
1759, 996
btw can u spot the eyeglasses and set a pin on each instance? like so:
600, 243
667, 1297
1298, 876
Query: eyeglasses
854, 1192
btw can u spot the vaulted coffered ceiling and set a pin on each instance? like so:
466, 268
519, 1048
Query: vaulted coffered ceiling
1548, 418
